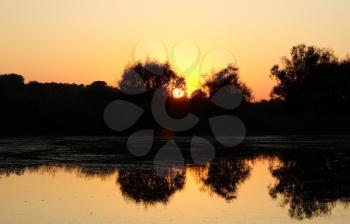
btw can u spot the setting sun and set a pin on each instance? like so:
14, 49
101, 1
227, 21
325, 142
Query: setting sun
178, 93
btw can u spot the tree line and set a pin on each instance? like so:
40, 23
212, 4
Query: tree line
312, 94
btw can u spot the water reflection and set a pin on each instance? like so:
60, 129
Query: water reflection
224, 176
143, 184
311, 184
148, 186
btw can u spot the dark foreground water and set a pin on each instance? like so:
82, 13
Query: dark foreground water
95, 180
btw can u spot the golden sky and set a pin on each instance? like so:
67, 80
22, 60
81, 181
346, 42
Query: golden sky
85, 40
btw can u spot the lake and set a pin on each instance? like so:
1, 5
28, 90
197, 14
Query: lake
270, 179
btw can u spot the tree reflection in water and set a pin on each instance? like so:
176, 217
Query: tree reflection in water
223, 177
147, 186
312, 184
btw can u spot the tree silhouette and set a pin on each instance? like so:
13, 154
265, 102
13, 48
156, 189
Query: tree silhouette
228, 76
149, 76
12, 80
198, 95
313, 78
11, 83
312, 82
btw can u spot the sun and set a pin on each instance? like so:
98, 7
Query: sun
178, 93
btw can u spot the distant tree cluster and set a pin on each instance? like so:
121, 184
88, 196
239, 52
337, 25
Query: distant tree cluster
47, 108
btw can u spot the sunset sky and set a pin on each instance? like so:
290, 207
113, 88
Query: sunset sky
85, 40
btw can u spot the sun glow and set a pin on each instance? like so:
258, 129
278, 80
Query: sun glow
178, 93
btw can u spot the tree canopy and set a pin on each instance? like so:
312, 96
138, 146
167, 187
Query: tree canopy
312, 78
149, 76
228, 76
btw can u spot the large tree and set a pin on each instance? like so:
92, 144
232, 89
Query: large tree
312, 78
149, 76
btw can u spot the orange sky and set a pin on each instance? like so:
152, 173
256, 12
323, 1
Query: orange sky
85, 40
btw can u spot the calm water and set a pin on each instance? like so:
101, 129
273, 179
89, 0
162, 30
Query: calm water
94, 180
